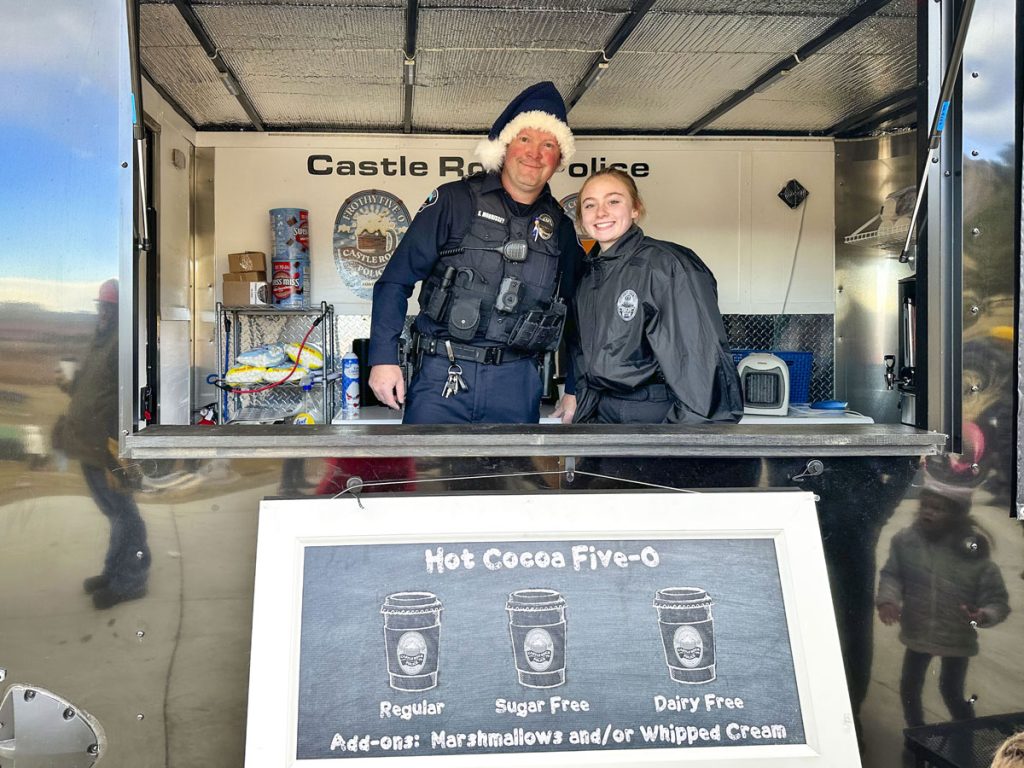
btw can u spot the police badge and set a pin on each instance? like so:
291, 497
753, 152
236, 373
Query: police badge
627, 304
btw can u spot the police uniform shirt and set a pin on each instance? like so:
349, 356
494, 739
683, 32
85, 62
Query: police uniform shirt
441, 223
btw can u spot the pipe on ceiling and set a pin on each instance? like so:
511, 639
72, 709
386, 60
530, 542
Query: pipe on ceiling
600, 64
213, 52
412, 20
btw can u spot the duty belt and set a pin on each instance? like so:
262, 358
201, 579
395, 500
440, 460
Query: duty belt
429, 345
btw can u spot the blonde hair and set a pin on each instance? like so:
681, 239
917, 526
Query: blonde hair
627, 182
1010, 753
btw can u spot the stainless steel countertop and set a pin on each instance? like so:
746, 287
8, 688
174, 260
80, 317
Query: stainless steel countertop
380, 440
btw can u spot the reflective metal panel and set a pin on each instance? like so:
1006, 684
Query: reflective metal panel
990, 160
872, 176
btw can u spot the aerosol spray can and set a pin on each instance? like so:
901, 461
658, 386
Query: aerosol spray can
350, 386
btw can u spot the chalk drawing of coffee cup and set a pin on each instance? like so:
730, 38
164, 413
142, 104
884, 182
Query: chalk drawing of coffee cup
536, 619
687, 633
412, 636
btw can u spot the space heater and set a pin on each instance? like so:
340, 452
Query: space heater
765, 381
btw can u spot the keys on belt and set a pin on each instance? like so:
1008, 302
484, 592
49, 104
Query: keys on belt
454, 383
485, 355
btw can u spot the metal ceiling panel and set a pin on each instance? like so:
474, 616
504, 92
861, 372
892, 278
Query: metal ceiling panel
288, 28
612, 6
471, 61
303, 3
906, 8
844, 78
756, 34
515, 31
338, 64
689, 84
779, 8
314, 67
466, 90
324, 90
176, 62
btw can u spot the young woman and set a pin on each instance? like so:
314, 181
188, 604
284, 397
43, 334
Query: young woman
652, 345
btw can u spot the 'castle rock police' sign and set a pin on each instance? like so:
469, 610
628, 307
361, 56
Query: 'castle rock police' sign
447, 167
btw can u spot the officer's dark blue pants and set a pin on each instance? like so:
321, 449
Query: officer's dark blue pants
498, 394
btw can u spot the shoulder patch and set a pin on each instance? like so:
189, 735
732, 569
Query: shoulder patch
431, 199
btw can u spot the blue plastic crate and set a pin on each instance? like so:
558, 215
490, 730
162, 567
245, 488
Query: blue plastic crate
799, 364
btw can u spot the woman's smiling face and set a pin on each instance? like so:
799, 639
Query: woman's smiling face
607, 209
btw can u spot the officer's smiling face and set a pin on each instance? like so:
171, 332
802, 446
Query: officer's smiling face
607, 209
530, 160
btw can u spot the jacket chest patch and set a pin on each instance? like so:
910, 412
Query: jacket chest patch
627, 304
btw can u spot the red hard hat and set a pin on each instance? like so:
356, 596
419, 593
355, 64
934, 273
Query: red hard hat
108, 291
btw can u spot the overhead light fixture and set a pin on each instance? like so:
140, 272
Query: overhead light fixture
410, 71
230, 83
596, 74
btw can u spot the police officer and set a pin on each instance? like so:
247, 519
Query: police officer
495, 256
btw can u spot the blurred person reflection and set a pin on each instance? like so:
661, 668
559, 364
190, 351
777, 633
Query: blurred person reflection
88, 432
940, 584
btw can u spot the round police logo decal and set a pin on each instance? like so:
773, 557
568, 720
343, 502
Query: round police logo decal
368, 228
627, 304
431, 199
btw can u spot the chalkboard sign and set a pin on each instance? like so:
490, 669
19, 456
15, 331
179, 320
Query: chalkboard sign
642, 627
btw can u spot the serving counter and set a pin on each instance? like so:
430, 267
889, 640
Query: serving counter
356, 438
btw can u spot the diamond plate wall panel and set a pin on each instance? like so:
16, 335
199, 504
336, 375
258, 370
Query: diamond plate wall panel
790, 333
349, 327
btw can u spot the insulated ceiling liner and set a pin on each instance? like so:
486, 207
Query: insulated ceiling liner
648, 66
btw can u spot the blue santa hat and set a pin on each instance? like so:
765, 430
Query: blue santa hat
540, 106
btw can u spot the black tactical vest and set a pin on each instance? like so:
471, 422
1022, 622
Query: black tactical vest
502, 276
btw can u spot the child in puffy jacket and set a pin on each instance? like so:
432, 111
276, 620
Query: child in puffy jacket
940, 584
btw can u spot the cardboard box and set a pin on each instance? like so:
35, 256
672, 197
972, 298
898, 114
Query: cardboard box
249, 261
245, 277
239, 294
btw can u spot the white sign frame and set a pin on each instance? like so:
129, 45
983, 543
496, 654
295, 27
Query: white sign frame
287, 527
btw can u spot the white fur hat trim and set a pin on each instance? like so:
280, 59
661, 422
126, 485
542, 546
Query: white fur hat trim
491, 154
